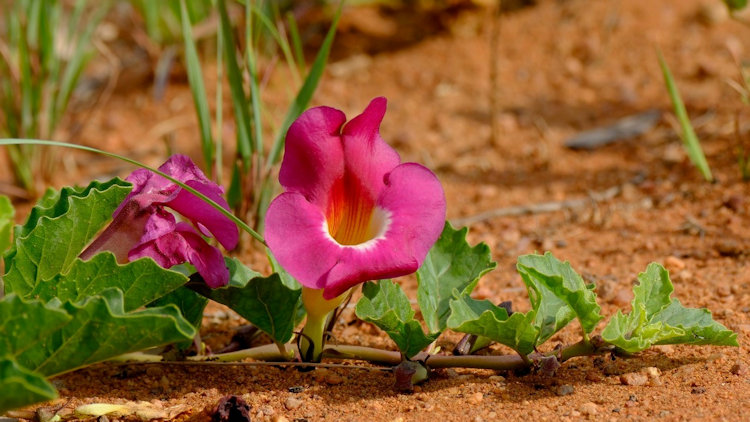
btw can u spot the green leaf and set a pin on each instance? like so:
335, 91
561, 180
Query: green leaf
558, 294
21, 387
689, 139
142, 281
734, 5
55, 233
83, 333
450, 265
7, 212
190, 304
483, 318
264, 301
386, 305
655, 318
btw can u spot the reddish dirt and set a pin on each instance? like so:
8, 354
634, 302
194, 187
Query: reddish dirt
564, 67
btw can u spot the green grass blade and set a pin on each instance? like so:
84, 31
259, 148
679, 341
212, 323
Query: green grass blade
689, 139
296, 41
197, 88
305, 93
252, 68
218, 138
239, 101
281, 41
241, 224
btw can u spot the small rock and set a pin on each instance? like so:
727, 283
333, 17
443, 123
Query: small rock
734, 203
739, 368
729, 247
698, 390
296, 389
674, 264
594, 377
279, 418
589, 409
292, 403
334, 379
622, 298
633, 379
565, 390
497, 378
723, 291
611, 369
654, 375
476, 398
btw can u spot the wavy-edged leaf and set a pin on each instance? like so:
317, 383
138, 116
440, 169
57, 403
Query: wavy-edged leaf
558, 294
142, 281
56, 232
264, 301
452, 264
483, 318
384, 304
21, 387
656, 318
93, 330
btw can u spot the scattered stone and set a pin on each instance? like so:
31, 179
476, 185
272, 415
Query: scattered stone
698, 390
654, 375
729, 247
622, 297
594, 377
476, 398
333, 379
734, 203
633, 379
674, 264
739, 368
231, 408
723, 291
296, 389
565, 390
589, 409
279, 418
292, 403
497, 378
611, 369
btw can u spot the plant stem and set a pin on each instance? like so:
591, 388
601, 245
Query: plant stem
268, 352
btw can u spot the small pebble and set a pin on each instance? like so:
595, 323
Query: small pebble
633, 379
654, 375
674, 264
739, 368
565, 390
296, 389
698, 390
589, 409
292, 403
279, 418
334, 379
476, 398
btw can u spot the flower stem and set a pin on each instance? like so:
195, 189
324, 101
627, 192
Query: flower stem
319, 311
268, 352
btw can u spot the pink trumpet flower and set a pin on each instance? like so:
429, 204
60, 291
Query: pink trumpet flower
351, 212
141, 226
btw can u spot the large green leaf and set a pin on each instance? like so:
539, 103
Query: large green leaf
483, 318
7, 212
79, 334
190, 304
21, 387
142, 281
558, 294
386, 305
264, 301
56, 232
655, 318
452, 264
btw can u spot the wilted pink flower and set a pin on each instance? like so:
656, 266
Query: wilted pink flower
351, 211
141, 226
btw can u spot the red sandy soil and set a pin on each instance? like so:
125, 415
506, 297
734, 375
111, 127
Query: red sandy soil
563, 67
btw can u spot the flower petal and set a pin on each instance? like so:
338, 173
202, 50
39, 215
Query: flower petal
203, 214
415, 203
297, 236
185, 244
313, 156
368, 157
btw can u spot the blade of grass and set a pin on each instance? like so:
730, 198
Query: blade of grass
255, 100
197, 88
239, 101
296, 41
305, 93
204, 198
689, 139
280, 39
218, 138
